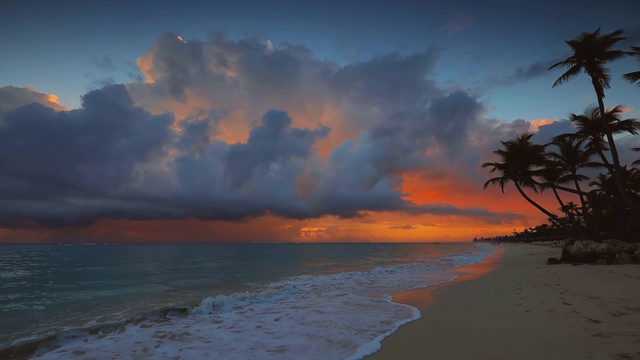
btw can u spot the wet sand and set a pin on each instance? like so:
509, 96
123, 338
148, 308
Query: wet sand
514, 306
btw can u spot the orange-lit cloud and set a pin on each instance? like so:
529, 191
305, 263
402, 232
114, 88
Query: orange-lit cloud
12, 97
535, 124
245, 141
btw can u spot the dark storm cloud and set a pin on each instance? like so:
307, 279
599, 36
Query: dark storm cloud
509, 130
112, 158
177, 63
272, 70
476, 212
451, 117
391, 79
94, 150
272, 145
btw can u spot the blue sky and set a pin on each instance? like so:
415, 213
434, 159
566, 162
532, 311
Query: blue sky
61, 47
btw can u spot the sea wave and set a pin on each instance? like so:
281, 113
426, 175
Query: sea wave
341, 315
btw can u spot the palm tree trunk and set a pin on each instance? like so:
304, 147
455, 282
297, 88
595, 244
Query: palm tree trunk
617, 173
553, 217
572, 219
605, 161
585, 212
612, 145
580, 195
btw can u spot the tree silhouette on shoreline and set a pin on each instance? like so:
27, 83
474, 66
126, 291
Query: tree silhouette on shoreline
610, 203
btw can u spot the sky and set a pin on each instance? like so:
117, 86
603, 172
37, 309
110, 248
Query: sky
164, 121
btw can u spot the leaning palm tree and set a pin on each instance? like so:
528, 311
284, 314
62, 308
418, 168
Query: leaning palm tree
552, 175
521, 160
591, 51
573, 157
634, 77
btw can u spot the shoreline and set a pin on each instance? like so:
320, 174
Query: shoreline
514, 306
421, 298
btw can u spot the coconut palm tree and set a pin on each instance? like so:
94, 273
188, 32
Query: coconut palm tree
604, 186
521, 160
591, 130
591, 52
553, 175
634, 77
573, 157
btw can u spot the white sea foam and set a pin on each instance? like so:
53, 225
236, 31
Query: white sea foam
335, 316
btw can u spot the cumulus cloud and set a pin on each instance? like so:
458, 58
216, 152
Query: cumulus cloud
12, 97
229, 130
66, 156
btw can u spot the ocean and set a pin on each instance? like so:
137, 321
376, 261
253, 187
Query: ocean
214, 301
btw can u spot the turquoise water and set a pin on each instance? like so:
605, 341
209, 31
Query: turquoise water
232, 301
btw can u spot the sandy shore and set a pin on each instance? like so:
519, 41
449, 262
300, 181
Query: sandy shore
524, 309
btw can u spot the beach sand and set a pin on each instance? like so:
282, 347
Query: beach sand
515, 306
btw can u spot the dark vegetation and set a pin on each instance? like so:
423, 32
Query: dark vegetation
584, 163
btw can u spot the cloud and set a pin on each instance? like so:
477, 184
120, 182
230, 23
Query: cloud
271, 148
12, 97
391, 79
548, 131
233, 130
451, 118
402, 227
523, 74
68, 157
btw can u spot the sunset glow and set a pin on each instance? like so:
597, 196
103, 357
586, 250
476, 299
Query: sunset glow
273, 129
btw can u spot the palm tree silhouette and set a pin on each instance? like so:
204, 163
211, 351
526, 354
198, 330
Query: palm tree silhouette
591, 51
591, 130
572, 156
552, 176
521, 160
634, 77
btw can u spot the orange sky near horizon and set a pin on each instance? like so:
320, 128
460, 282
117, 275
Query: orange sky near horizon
372, 227
363, 141
430, 186
438, 185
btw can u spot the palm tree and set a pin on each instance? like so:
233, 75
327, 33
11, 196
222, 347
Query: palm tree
591, 51
572, 156
521, 160
604, 186
552, 175
590, 129
637, 162
634, 77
